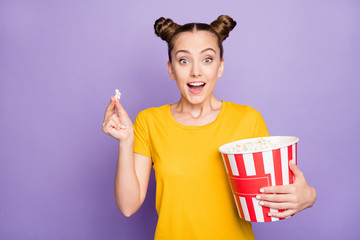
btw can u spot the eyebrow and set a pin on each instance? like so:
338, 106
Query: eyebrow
188, 52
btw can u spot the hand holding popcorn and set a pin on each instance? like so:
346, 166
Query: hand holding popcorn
118, 125
291, 198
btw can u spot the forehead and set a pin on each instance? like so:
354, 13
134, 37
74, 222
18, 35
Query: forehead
195, 40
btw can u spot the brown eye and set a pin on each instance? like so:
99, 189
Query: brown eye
208, 60
183, 61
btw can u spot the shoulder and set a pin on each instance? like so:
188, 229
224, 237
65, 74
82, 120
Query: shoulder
246, 119
153, 112
242, 110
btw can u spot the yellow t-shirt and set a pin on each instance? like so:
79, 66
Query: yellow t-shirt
193, 195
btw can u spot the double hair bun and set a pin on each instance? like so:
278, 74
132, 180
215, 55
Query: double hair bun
166, 27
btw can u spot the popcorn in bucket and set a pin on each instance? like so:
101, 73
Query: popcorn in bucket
255, 163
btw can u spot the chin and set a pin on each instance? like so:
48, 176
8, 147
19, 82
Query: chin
195, 100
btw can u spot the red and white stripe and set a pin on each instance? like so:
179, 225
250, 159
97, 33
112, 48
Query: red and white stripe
249, 172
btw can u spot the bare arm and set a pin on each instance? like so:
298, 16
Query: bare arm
131, 181
133, 170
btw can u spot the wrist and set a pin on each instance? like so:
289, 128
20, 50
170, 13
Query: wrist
129, 143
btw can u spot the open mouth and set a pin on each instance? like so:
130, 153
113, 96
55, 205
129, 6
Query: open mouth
196, 87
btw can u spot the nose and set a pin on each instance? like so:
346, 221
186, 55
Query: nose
196, 70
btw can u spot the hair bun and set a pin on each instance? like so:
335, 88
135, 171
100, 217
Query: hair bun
165, 28
223, 25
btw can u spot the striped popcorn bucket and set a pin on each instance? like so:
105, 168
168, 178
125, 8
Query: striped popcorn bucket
249, 170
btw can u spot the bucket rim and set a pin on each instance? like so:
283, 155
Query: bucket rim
223, 151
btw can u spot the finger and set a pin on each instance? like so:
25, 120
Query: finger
111, 122
278, 189
119, 108
113, 117
117, 121
122, 114
296, 171
110, 126
110, 109
277, 197
284, 214
278, 205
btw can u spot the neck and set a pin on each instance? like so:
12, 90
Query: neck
196, 111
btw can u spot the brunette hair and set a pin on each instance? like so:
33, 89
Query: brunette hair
166, 29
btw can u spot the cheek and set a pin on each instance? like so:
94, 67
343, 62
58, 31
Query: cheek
213, 72
181, 72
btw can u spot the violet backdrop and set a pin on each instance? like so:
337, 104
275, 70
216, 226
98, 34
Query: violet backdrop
297, 62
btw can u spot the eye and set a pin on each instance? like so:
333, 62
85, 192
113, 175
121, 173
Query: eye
208, 59
183, 61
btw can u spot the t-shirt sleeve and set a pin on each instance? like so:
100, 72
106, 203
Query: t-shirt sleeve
141, 132
260, 129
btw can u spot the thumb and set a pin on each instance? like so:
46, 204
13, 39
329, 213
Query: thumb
295, 170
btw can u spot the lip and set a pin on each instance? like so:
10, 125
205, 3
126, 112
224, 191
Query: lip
196, 90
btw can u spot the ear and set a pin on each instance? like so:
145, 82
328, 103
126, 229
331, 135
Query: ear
221, 68
170, 70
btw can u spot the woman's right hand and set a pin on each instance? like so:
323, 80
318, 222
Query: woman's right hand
118, 125
133, 170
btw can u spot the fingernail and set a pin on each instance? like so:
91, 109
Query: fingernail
122, 127
258, 197
261, 203
269, 214
261, 190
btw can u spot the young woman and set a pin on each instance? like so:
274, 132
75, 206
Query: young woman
181, 141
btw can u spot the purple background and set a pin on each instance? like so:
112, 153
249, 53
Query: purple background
297, 62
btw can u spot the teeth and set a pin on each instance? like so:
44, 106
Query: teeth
196, 84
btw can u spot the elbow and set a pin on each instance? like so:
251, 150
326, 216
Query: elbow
127, 214
127, 207
126, 211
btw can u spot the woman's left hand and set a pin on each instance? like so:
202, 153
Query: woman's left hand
292, 198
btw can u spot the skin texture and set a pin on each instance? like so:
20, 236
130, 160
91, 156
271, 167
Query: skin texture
195, 59
133, 170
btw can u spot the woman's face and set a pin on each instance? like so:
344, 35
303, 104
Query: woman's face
196, 65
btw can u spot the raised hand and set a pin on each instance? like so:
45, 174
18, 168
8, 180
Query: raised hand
118, 125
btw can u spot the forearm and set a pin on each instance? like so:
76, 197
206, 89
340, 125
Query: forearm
127, 187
